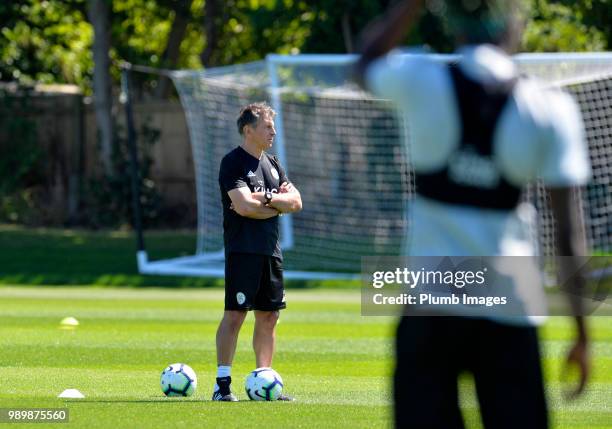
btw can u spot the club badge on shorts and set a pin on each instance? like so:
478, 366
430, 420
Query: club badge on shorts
274, 173
240, 298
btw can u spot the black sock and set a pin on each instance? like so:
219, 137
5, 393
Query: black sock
224, 385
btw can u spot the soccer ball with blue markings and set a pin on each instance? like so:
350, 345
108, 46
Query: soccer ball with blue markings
264, 384
178, 379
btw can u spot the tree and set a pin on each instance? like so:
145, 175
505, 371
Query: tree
595, 14
344, 17
46, 42
215, 13
558, 27
99, 12
170, 56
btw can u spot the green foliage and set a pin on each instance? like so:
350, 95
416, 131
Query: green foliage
556, 27
431, 32
45, 41
50, 41
140, 29
109, 199
258, 27
326, 34
595, 14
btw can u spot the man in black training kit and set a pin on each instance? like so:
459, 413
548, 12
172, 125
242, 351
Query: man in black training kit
480, 113
254, 192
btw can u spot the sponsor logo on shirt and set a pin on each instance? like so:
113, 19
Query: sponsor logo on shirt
263, 189
251, 174
466, 167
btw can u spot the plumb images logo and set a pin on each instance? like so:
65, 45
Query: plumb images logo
507, 285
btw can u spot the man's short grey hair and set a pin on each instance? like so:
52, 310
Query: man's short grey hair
252, 113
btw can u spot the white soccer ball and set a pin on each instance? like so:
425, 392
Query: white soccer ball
178, 379
264, 384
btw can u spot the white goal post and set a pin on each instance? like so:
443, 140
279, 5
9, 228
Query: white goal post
345, 151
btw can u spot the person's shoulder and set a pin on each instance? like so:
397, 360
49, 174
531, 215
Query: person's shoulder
398, 71
535, 89
231, 160
232, 155
272, 158
544, 103
418, 64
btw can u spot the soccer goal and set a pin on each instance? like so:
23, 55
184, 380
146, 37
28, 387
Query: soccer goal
345, 151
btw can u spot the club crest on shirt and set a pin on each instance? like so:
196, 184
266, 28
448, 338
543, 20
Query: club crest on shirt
466, 167
274, 173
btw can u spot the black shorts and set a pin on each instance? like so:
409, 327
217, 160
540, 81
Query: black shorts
254, 282
431, 353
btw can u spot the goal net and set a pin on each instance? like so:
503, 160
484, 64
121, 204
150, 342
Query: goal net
345, 150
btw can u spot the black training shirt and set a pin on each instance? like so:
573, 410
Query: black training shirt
242, 234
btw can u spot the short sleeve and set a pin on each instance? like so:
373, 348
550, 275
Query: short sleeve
396, 77
565, 156
230, 176
282, 175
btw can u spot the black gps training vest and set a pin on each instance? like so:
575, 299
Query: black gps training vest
471, 176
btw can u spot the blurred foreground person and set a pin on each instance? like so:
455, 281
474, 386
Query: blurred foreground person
478, 134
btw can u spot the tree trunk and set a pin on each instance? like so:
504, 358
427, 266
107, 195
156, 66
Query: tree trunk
172, 52
99, 15
213, 9
347, 34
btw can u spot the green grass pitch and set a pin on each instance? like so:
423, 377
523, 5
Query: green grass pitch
336, 362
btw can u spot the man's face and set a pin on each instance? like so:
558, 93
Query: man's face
263, 134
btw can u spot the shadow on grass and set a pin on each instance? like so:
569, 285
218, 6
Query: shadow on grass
155, 400
78, 257
159, 400
102, 258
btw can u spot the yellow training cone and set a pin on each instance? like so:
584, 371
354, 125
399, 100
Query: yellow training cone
69, 323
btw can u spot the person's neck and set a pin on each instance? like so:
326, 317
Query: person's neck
252, 149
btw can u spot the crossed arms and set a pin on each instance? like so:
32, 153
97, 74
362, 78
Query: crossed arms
251, 204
